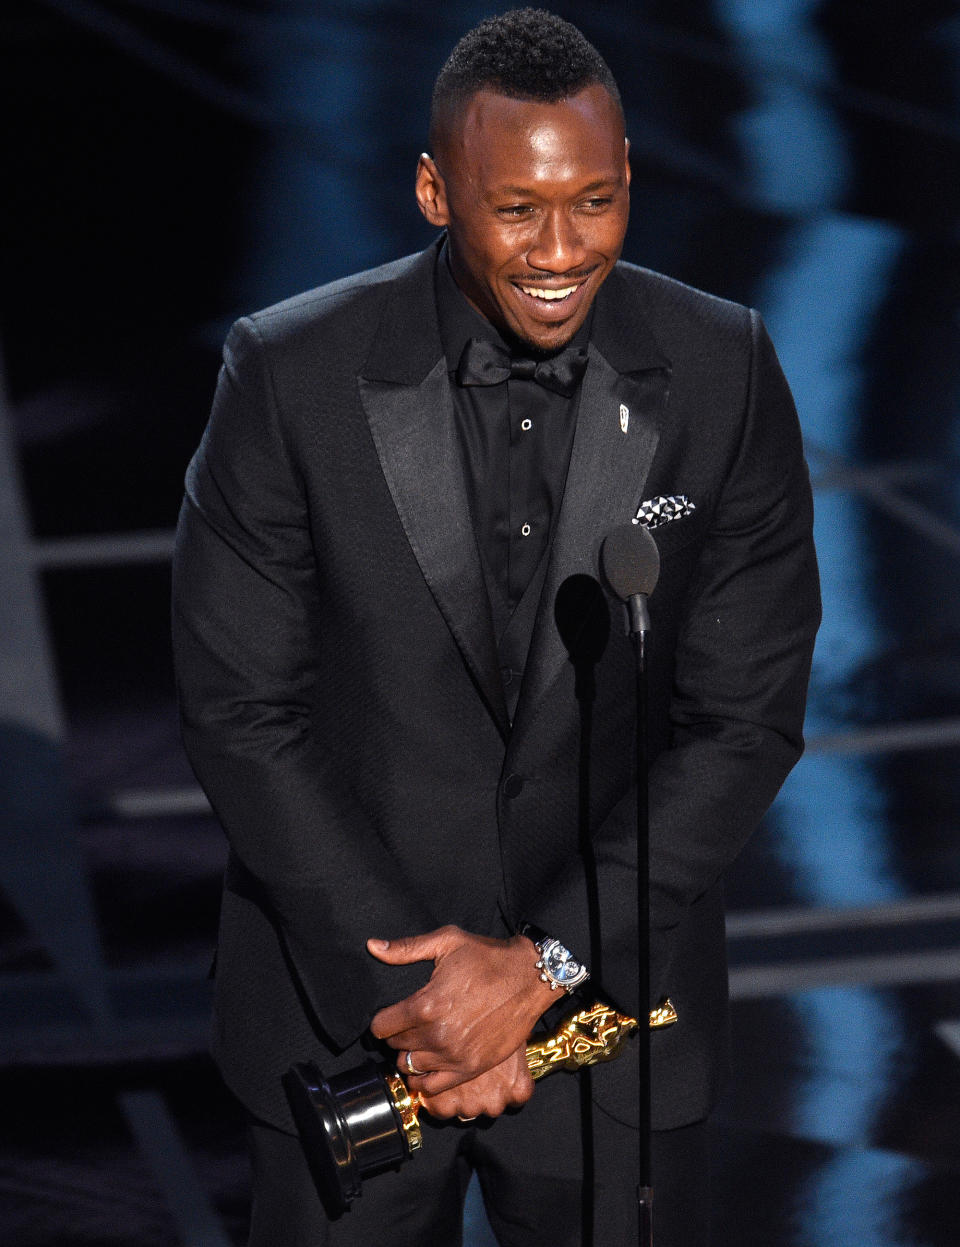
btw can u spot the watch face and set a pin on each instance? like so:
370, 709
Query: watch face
559, 962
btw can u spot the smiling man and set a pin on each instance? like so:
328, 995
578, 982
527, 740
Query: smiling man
408, 696
535, 198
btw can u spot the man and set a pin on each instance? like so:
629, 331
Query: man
385, 594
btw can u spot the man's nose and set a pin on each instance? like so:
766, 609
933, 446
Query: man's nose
559, 246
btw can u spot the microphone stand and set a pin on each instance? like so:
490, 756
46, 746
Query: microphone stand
630, 562
638, 619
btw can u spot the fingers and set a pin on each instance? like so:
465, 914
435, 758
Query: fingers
412, 1040
482, 1000
424, 1074
436, 1082
419, 1023
407, 949
407, 1065
423, 1020
398, 1020
416, 1010
508, 1085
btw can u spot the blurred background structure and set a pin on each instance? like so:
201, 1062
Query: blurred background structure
170, 164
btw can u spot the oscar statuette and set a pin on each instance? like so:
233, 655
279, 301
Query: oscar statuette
364, 1121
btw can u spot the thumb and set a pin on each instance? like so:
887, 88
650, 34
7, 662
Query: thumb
410, 948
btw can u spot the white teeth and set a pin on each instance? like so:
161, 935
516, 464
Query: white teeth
539, 292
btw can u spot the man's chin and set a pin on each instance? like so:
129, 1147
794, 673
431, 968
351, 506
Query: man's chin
545, 339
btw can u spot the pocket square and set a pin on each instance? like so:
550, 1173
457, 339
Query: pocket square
661, 510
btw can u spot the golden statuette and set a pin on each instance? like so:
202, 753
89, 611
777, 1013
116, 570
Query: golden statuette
363, 1121
590, 1037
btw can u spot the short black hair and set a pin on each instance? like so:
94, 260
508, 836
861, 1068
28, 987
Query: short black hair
527, 54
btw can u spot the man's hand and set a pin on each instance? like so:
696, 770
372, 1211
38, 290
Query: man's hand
475, 1014
507, 1085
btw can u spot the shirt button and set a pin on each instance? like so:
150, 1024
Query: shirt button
512, 786
526, 425
525, 531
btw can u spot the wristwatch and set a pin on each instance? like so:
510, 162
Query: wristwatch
557, 965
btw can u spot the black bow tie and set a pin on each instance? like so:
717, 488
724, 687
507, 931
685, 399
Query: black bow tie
485, 363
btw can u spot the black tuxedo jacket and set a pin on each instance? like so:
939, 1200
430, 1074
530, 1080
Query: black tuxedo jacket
340, 693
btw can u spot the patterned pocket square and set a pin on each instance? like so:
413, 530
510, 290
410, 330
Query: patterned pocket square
661, 510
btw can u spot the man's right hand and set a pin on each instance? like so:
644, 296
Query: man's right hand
482, 1002
507, 1085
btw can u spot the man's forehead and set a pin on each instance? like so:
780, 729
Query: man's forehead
496, 130
591, 106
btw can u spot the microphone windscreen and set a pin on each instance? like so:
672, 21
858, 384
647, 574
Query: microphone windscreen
630, 560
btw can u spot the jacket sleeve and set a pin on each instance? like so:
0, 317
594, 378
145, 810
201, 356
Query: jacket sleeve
742, 664
743, 661
245, 588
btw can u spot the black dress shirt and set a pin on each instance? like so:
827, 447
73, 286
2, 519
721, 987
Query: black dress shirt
516, 439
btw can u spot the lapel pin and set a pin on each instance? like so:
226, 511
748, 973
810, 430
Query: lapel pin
624, 417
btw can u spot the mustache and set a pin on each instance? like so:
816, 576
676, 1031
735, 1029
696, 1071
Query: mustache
553, 279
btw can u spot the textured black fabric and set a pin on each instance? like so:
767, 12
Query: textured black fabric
340, 685
542, 1189
421, 1203
531, 1167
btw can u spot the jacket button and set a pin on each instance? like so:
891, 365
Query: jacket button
512, 786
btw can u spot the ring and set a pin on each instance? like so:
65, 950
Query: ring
411, 1068
460, 1118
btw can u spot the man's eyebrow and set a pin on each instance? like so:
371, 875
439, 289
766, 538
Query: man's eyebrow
602, 183
521, 191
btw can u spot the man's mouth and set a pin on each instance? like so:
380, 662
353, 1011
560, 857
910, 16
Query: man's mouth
549, 305
550, 294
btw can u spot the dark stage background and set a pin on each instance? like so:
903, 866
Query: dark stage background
170, 164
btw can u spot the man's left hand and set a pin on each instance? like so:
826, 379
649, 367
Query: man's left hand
480, 1005
507, 1085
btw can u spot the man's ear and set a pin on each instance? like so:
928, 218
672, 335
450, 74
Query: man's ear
626, 160
431, 192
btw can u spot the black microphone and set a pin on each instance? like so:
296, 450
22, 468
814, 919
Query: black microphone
630, 562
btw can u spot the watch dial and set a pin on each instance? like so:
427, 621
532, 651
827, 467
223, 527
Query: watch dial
561, 964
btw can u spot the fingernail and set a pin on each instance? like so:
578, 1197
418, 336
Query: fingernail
381, 944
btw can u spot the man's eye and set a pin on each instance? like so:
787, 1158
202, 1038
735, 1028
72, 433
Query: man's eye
515, 210
597, 203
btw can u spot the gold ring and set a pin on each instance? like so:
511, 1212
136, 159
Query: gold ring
411, 1068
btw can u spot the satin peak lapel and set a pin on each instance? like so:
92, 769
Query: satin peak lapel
412, 424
